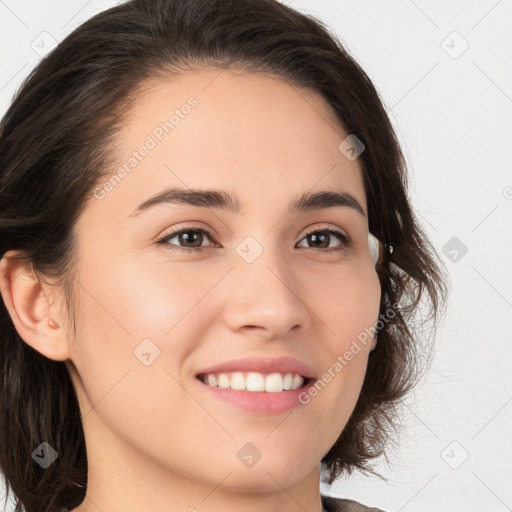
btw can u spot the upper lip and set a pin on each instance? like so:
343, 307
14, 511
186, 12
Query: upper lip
285, 364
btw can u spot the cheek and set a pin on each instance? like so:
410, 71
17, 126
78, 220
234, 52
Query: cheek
130, 314
348, 303
161, 297
125, 314
349, 311
144, 300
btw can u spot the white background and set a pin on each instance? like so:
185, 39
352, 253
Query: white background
453, 114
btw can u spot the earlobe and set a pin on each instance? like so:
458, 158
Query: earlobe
26, 300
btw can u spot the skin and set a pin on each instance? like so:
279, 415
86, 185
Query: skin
155, 439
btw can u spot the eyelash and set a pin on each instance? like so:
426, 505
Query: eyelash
164, 240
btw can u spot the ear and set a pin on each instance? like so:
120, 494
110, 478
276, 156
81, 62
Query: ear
28, 301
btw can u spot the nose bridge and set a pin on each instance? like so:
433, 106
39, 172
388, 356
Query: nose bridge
263, 259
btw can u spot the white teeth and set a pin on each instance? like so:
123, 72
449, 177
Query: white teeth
223, 381
297, 381
274, 383
287, 381
254, 381
237, 380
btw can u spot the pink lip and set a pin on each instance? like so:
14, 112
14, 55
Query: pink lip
262, 365
260, 402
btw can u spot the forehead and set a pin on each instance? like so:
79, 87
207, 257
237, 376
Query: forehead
228, 130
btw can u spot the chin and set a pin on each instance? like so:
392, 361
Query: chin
270, 476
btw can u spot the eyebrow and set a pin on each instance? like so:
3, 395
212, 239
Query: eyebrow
208, 198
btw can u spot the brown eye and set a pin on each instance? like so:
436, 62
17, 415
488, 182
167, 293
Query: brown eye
189, 239
321, 239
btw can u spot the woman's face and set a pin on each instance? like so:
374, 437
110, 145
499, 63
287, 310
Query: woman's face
152, 316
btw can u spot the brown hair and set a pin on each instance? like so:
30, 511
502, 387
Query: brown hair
56, 145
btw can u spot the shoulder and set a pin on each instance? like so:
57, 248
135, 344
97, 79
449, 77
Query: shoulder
343, 505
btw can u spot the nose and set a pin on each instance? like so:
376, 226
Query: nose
265, 298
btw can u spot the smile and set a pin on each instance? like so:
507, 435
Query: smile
254, 381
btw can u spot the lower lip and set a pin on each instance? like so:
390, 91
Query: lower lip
260, 401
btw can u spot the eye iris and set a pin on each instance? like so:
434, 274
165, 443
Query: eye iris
322, 237
186, 237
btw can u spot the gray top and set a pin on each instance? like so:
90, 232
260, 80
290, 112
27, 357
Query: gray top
343, 505
334, 505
